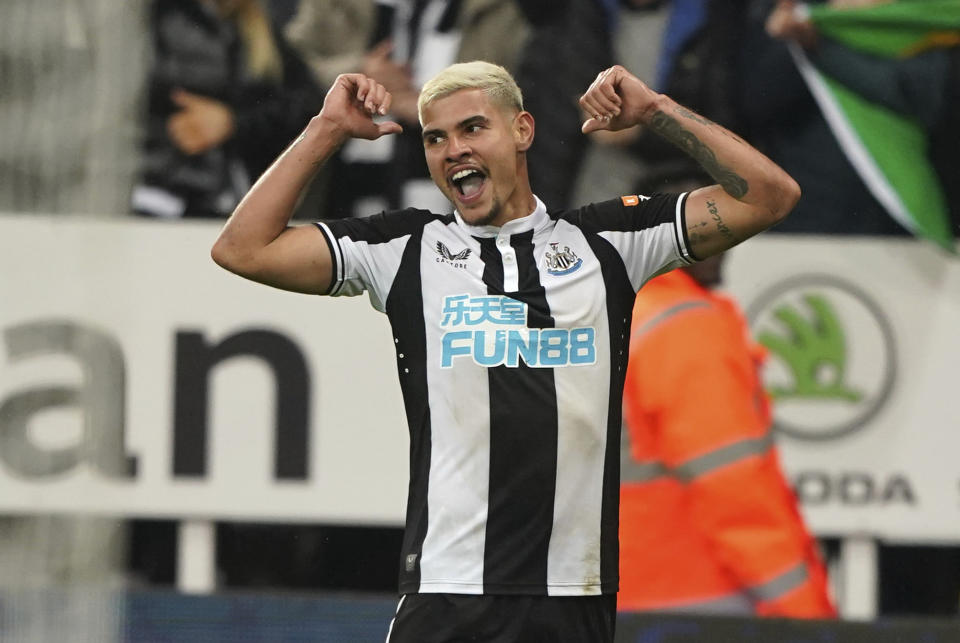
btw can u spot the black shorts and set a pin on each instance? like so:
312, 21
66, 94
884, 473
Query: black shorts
462, 618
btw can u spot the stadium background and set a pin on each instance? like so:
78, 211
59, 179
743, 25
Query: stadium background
187, 457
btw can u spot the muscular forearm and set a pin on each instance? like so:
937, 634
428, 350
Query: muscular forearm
742, 171
257, 242
263, 214
752, 192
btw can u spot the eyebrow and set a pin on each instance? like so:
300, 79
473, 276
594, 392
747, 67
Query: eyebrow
467, 122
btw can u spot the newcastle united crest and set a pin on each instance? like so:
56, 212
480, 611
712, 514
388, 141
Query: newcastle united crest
561, 262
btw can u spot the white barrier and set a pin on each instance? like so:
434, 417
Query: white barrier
865, 344
111, 332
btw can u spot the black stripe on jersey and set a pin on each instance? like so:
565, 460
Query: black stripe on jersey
620, 297
383, 227
614, 216
404, 308
523, 444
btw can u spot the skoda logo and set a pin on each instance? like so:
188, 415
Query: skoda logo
832, 359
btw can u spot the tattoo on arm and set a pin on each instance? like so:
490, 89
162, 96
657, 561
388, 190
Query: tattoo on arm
735, 185
694, 235
722, 227
686, 113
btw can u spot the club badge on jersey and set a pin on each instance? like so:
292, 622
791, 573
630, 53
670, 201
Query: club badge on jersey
561, 262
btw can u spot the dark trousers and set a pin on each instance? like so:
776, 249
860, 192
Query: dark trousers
462, 618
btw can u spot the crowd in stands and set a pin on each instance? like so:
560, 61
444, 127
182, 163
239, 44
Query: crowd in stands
225, 85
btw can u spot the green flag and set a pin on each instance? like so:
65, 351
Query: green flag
888, 149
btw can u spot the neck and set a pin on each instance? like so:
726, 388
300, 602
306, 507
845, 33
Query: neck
521, 201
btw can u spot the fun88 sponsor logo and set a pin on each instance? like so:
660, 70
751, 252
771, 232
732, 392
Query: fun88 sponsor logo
492, 331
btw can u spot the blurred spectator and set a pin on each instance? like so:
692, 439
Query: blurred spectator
781, 117
718, 59
919, 82
570, 43
692, 64
609, 166
333, 36
708, 522
399, 43
225, 96
71, 75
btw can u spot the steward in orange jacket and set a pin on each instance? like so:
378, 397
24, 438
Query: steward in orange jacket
707, 521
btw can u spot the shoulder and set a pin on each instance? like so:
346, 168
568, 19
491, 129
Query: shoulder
629, 213
385, 226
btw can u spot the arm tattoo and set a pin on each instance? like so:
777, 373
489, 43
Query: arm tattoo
670, 129
694, 236
693, 116
722, 227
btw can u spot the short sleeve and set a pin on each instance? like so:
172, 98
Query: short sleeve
366, 252
648, 232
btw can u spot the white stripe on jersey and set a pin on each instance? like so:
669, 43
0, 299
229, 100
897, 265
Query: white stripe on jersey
377, 283
452, 557
573, 560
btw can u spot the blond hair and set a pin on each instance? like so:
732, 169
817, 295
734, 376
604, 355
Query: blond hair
262, 53
495, 81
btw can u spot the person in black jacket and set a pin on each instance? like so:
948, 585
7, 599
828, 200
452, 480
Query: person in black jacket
569, 41
225, 95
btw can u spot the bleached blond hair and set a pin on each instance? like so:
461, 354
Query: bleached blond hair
495, 81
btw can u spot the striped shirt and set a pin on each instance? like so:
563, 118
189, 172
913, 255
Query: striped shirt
511, 346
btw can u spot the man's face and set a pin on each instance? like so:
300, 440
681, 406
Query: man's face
472, 147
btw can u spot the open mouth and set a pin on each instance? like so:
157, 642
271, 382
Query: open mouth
468, 182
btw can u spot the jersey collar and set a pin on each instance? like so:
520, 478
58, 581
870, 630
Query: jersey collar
536, 219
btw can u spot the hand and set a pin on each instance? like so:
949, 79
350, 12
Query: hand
617, 100
785, 23
378, 65
201, 124
351, 104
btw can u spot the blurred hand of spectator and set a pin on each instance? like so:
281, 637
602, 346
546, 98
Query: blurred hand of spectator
396, 77
201, 124
378, 64
786, 23
405, 106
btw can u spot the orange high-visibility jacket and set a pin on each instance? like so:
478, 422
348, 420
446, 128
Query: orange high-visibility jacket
707, 521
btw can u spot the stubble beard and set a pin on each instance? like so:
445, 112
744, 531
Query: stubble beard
495, 208
487, 219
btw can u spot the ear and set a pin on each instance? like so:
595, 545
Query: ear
523, 128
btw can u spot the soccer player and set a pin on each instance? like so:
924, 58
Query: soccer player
511, 325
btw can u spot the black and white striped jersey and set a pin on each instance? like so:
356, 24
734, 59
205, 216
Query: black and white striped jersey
511, 347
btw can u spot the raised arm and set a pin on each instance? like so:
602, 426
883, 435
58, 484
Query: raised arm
752, 192
257, 241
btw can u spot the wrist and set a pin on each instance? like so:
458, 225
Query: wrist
322, 133
658, 103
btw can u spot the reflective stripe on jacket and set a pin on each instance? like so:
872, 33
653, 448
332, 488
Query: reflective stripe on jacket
707, 522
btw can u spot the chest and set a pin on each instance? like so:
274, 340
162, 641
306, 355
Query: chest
545, 279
